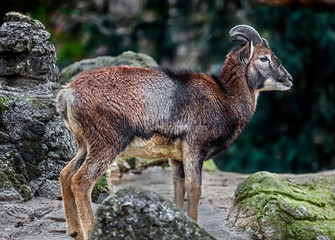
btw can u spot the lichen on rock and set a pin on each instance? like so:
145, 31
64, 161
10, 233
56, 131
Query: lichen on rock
280, 209
134, 213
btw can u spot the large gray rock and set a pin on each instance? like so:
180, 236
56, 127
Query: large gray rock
280, 209
34, 143
130, 58
31, 54
134, 213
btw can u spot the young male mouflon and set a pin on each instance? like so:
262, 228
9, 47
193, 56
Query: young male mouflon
185, 116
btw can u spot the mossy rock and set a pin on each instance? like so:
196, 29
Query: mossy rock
13, 185
100, 187
280, 209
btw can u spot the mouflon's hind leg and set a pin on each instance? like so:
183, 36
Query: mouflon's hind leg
178, 178
192, 168
72, 219
97, 161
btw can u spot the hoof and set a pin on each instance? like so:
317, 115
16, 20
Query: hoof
73, 234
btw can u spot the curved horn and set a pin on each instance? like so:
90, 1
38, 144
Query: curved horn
245, 33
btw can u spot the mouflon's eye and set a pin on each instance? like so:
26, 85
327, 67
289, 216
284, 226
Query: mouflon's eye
264, 59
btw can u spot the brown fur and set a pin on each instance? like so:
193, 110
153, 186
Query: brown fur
187, 117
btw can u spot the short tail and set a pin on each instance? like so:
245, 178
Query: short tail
65, 100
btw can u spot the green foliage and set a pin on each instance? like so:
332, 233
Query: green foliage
99, 187
209, 166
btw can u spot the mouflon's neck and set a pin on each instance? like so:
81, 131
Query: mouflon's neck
235, 85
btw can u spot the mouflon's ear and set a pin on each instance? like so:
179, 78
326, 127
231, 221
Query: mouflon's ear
247, 52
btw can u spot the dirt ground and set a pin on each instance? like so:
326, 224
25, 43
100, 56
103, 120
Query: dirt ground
42, 218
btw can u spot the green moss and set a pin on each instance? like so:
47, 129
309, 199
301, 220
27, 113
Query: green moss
209, 166
132, 162
37, 102
277, 207
5, 183
99, 187
19, 17
5, 105
32, 152
10, 179
25, 192
323, 187
274, 184
304, 230
136, 59
33, 170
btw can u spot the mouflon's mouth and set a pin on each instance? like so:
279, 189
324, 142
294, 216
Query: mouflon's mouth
288, 84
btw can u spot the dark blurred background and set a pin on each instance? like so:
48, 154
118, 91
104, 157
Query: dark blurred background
290, 132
